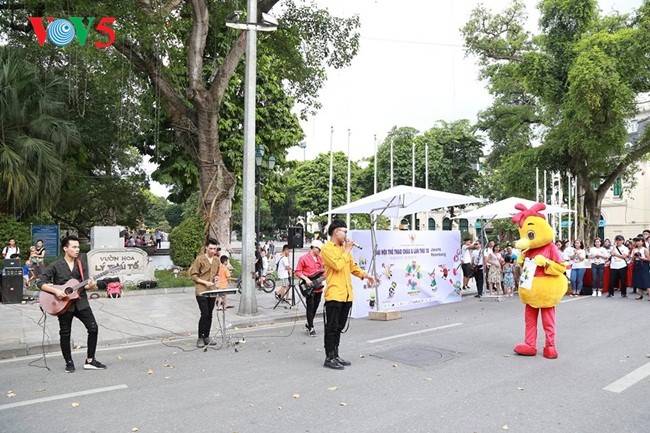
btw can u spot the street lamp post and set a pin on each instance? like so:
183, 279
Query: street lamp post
248, 301
270, 164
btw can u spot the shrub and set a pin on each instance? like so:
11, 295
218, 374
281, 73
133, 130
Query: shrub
186, 241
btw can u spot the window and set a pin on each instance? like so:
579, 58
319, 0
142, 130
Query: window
463, 225
432, 224
446, 223
618, 188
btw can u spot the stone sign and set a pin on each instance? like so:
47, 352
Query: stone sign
105, 237
133, 261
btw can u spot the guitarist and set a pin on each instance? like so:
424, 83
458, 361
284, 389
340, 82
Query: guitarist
308, 266
60, 272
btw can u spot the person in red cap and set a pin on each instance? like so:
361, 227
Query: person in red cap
309, 269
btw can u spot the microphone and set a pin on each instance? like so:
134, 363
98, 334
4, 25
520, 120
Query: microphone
355, 244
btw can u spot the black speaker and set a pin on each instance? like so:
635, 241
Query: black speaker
12, 287
296, 237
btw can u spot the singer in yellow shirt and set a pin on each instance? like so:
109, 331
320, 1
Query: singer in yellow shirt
339, 265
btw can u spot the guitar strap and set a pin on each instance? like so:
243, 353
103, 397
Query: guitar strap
81, 269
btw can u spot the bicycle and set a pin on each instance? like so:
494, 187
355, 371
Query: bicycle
268, 287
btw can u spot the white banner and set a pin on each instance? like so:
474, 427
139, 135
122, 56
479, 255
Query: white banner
415, 269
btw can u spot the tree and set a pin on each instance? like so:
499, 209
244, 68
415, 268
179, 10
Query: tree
451, 149
34, 135
573, 86
307, 187
189, 58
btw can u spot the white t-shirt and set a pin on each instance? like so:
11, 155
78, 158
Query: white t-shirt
466, 254
265, 264
283, 272
602, 254
617, 262
579, 261
10, 251
476, 258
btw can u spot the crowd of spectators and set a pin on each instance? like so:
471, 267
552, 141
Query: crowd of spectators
627, 263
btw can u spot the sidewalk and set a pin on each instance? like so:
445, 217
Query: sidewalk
138, 316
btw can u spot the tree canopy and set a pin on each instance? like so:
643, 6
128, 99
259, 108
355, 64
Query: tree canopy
571, 87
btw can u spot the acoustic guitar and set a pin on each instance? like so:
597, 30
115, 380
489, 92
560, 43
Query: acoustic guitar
55, 306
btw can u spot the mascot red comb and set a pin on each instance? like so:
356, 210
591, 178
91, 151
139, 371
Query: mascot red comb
542, 282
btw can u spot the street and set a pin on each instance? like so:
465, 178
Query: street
448, 368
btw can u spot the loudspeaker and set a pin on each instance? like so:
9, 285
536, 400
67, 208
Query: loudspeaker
296, 237
12, 288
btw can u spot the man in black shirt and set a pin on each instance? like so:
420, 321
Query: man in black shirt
58, 273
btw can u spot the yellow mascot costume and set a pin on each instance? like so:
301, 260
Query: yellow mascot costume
543, 282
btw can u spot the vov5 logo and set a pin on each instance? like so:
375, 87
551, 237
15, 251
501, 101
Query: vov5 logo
61, 32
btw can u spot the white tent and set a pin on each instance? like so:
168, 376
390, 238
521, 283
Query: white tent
506, 209
403, 200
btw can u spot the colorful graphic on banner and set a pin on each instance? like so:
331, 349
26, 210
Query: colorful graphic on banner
415, 269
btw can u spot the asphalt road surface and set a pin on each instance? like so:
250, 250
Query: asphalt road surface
442, 369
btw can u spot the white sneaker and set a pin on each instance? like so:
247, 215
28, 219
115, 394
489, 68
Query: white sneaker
594, 293
600, 293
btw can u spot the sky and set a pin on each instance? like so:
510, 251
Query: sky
411, 70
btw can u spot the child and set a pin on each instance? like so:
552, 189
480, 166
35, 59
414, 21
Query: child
27, 274
508, 276
33, 255
224, 277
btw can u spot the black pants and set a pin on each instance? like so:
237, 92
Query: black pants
313, 301
616, 275
206, 305
336, 315
478, 277
65, 328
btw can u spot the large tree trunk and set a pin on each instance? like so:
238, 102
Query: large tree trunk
216, 182
592, 204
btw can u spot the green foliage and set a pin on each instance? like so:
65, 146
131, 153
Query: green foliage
451, 149
166, 279
572, 86
11, 228
187, 241
35, 135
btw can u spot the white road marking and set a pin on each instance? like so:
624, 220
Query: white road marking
629, 379
422, 331
62, 396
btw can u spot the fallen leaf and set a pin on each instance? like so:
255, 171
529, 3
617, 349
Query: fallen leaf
505, 427
119, 358
296, 396
150, 372
520, 389
40, 389
279, 407
11, 394
167, 377
507, 356
394, 365
169, 366
428, 378
343, 403
332, 388
134, 429
74, 404
78, 346
362, 356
